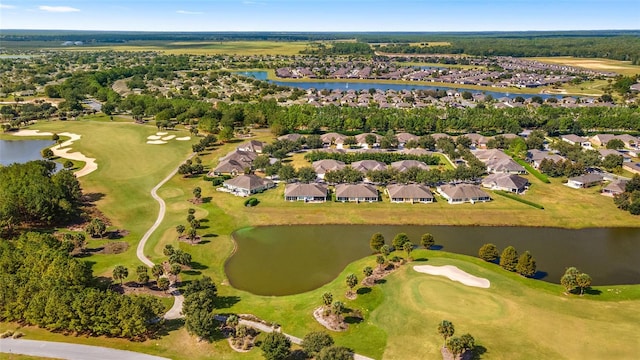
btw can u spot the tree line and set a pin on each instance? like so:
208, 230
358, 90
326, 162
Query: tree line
43, 285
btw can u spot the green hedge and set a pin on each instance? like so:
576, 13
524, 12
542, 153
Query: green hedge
518, 198
542, 177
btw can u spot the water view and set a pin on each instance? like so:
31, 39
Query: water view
21, 151
283, 260
345, 85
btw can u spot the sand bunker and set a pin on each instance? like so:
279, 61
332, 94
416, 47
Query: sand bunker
455, 274
63, 152
154, 137
168, 137
156, 142
184, 138
161, 133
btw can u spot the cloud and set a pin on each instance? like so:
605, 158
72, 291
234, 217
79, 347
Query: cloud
3, 6
58, 9
186, 12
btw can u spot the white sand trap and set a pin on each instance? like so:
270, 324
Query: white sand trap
168, 137
63, 152
455, 274
184, 138
162, 133
156, 142
154, 137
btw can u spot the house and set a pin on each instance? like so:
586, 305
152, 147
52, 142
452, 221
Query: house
245, 185
417, 152
356, 193
366, 165
630, 142
253, 146
405, 137
535, 157
411, 193
506, 182
404, 165
461, 193
230, 166
575, 139
361, 140
585, 181
321, 167
329, 139
615, 188
505, 166
477, 140
492, 154
306, 192
634, 167
601, 139
291, 137
605, 152
244, 157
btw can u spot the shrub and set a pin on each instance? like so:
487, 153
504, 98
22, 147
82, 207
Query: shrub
251, 202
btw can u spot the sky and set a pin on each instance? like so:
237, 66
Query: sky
317, 15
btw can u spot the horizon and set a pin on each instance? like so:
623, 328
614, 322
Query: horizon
315, 16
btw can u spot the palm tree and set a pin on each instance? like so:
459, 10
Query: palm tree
163, 284
120, 273
352, 281
446, 330
157, 271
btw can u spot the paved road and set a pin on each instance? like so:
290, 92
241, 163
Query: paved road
176, 310
69, 351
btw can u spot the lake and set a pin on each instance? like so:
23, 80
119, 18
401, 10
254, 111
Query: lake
21, 151
284, 260
346, 85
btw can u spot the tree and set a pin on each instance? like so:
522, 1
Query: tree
615, 144
408, 248
276, 346
570, 279
488, 252
399, 240
68, 164
47, 153
261, 162
337, 307
509, 258
287, 172
455, 346
314, 342
197, 193
380, 261
427, 241
180, 230
168, 250
175, 269
327, 298
612, 161
96, 228
368, 271
352, 281
120, 273
446, 330
232, 321
306, 174
226, 134
583, 281
335, 353
385, 250
526, 265
157, 271
376, 242
143, 275
163, 284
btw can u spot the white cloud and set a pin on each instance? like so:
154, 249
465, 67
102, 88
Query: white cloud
185, 12
58, 9
3, 6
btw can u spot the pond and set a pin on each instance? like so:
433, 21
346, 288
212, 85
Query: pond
21, 151
345, 85
284, 260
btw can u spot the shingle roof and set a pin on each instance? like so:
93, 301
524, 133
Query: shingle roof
463, 191
299, 189
508, 181
325, 165
356, 191
404, 165
366, 165
248, 182
410, 191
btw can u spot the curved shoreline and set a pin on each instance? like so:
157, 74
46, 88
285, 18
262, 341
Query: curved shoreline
62, 150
